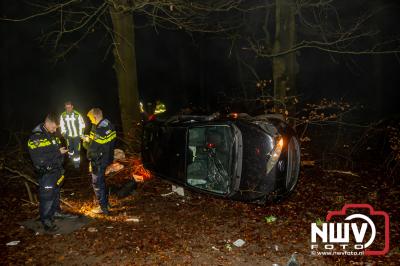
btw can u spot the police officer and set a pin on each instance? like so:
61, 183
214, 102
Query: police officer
47, 156
100, 152
160, 108
72, 128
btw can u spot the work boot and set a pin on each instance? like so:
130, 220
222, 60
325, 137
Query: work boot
62, 215
100, 210
49, 226
105, 211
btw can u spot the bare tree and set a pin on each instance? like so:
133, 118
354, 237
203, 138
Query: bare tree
339, 28
74, 20
272, 29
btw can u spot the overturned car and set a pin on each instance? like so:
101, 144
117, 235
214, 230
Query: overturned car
239, 157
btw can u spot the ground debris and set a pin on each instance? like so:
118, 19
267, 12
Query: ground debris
13, 243
92, 230
147, 228
238, 243
342, 172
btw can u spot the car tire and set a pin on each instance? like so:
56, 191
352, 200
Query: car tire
292, 170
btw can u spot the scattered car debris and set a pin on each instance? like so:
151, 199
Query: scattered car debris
167, 194
239, 243
178, 190
92, 230
293, 261
342, 172
132, 219
13, 243
215, 248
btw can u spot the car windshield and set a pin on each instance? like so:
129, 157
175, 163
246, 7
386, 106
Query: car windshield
209, 158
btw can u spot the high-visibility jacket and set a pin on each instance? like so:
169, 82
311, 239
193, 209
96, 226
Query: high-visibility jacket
44, 149
100, 149
72, 124
160, 108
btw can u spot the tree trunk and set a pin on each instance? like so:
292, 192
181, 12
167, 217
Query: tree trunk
125, 64
285, 67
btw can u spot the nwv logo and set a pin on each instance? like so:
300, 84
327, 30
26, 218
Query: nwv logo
338, 234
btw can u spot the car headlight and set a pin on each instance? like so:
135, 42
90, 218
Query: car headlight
274, 155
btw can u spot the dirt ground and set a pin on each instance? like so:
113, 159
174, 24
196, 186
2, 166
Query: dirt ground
152, 229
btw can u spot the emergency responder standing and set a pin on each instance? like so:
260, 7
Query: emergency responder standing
72, 129
47, 156
100, 152
160, 108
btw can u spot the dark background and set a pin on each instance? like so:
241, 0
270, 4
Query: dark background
174, 67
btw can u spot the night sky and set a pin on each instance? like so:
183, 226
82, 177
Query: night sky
170, 64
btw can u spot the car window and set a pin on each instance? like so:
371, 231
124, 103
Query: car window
164, 151
209, 158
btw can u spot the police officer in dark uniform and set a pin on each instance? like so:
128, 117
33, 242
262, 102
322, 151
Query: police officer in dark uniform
47, 156
100, 152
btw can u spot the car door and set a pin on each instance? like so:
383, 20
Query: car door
176, 154
164, 151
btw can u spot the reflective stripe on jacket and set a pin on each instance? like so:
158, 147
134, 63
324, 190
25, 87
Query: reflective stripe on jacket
72, 124
102, 141
44, 150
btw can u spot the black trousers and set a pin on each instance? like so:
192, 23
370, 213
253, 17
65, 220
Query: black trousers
99, 185
49, 195
74, 149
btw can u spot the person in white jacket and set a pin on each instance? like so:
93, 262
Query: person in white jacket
72, 128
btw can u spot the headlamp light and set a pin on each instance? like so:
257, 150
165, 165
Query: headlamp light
274, 154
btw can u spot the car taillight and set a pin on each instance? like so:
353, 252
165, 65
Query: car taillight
234, 115
210, 145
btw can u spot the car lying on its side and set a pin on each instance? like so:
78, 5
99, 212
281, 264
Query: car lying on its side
238, 157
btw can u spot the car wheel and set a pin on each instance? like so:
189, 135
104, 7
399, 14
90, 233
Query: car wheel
293, 164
